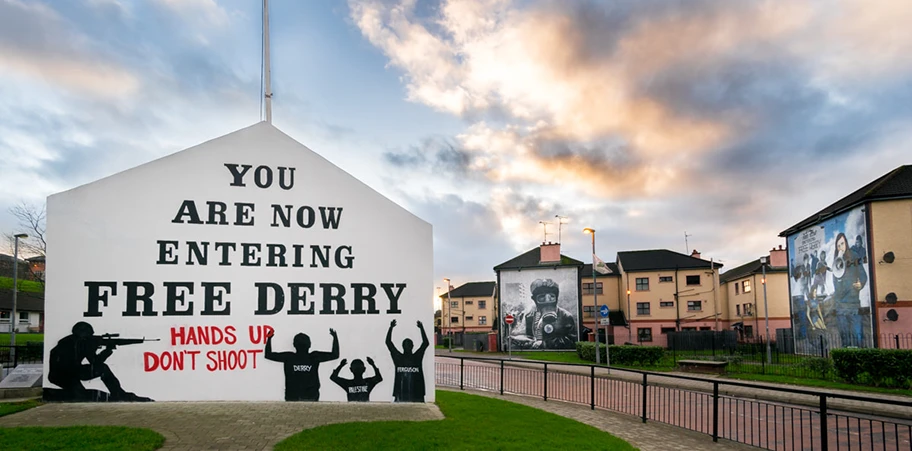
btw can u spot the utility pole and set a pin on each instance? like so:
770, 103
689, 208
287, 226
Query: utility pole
686, 245
267, 71
769, 354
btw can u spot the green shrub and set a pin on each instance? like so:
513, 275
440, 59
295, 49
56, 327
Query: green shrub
820, 365
446, 342
880, 367
622, 355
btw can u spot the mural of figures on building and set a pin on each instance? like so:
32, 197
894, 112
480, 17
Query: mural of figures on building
408, 383
358, 388
828, 269
67, 370
302, 367
545, 309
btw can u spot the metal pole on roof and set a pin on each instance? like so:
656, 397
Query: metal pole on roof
267, 83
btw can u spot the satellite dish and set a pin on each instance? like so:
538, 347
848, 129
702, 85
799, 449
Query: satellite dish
892, 315
890, 298
889, 257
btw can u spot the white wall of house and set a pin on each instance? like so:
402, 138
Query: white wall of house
26, 321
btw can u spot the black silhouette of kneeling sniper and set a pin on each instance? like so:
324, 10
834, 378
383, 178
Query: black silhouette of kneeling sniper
358, 389
408, 385
302, 376
67, 371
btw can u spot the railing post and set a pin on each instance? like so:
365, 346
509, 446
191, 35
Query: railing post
592, 387
715, 411
501, 376
897, 340
461, 372
546, 383
823, 423
821, 347
644, 397
762, 360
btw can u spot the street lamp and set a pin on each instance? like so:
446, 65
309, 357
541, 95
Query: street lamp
15, 293
629, 315
590, 231
450, 310
769, 353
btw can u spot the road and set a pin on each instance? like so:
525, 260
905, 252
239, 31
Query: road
766, 424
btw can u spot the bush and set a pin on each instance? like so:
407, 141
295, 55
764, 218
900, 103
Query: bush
880, 367
820, 365
622, 355
445, 342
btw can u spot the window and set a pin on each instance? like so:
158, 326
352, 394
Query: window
482, 320
642, 283
587, 288
706, 328
666, 330
748, 310
688, 328
482, 304
748, 331
644, 334
24, 316
737, 308
454, 304
588, 311
642, 308
469, 318
470, 302
737, 287
694, 306
693, 280
454, 320
665, 279
4, 315
666, 304
746, 286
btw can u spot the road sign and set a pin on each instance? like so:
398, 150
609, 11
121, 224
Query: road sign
603, 310
603, 321
508, 319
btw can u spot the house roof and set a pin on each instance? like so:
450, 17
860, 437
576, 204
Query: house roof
896, 184
532, 259
472, 289
658, 259
25, 301
587, 270
39, 258
752, 267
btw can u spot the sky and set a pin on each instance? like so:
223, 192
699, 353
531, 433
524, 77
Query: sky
645, 120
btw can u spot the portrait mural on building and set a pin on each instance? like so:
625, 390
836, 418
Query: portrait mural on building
545, 305
245, 268
828, 283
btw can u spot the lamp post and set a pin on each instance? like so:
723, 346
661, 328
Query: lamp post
769, 353
629, 326
590, 231
15, 293
450, 310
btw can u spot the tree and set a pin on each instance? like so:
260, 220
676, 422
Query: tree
32, 221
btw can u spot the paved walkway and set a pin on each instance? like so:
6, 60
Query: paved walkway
647, 437
219, 425
704, 384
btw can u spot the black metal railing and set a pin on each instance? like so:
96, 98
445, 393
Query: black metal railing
775, 418
10, 356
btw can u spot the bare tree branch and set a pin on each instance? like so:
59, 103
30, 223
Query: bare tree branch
32, 220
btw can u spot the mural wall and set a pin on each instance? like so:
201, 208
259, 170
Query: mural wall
545, 304
828, 283
246, 268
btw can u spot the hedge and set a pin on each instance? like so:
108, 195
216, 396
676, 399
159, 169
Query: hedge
880, 367
622, 355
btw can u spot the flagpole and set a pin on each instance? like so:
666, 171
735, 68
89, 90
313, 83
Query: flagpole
595, 326
267, 83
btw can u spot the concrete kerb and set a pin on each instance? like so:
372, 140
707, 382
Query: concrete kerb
705, 386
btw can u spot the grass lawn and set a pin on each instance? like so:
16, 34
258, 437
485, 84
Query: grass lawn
818, 383
81, 438
24, 285
7, 408
21, 339
472, 422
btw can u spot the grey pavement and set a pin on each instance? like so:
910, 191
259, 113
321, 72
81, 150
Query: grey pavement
219, 425
645, 436
704, 384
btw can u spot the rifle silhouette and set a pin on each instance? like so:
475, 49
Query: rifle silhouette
112, 340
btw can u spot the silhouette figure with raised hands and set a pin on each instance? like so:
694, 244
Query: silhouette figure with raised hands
408, 384
358, 388
302, 367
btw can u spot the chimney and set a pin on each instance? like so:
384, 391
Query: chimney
695, 254
779, 257
550, 253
